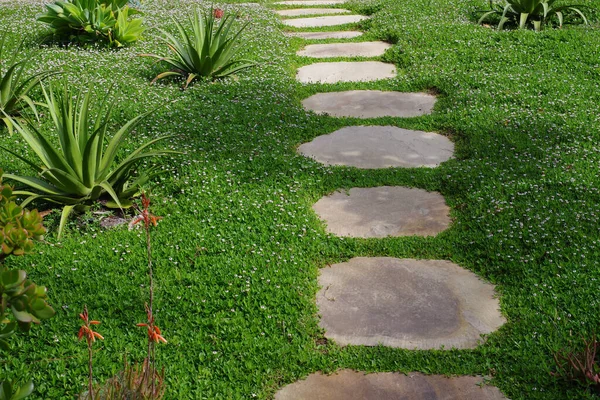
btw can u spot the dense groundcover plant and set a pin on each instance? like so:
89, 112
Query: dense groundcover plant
83, 169
536, 13
22, 302
208, 52
107, 21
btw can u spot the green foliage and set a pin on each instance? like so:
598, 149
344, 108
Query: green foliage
536, 12
207, 52
94, 20
82, 169
15, 87
8, 391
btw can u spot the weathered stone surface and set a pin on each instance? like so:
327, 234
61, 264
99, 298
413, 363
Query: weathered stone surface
412, 304
379, 147
310, 2
326, 35
315, 22
371, 104
360, 49
332, 72
351, 385
383, 211
311, 11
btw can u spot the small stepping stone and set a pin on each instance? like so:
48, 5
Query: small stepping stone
351, 385
371, 104
316, 22
311, 11
310, 2
362, 49
379, 147
345, 71
383, 211
406, 303
326, 35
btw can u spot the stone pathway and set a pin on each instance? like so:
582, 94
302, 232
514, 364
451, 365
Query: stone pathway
379, 147
326, 35
310, 11
383, 211
345, 71
350, 385
411, 304
317, 22
361, 49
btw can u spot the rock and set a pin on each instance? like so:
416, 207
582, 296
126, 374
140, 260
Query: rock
333, 72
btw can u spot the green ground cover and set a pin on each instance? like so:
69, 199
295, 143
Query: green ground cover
239, 249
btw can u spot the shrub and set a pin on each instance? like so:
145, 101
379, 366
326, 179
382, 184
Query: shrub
94, 20
537, 12
207, 52
82, 170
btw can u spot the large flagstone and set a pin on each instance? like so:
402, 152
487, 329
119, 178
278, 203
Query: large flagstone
326, 35
316, 22
310, 2
360, 49
345, 71
311, 11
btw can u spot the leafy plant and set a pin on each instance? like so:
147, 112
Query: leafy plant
582, 366
22, 302
538, 12
82, 170
207, 52
15, 87
94, 20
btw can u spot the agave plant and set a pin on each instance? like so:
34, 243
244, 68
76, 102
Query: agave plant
82, 170
207, 52
15, 88
94, 20
537, 11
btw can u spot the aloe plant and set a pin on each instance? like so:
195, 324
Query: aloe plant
207, 52
538, 12
82, 169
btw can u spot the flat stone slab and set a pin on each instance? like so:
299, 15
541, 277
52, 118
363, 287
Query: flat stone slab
311, 11
315, 22
371, 104
326, 35
310, 2
379, 147
406, 303
350, 385
383, 211
345, 71
361, 49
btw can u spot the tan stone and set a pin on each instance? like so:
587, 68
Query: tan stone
315, 22
359, 49
333, 72
310, 11
326, 35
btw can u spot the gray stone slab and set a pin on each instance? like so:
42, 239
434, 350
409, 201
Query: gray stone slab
371, 104
345, 71
406, 303
361, 49
316, 22
351, 385
383, 211
379, 147
310, 2
326, 35
311, 11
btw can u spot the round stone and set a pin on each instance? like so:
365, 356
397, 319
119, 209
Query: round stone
333, 72
360, 49
406, 303
379, 147
383, 211
311, 11
350, 385
325, 35
370, 104
315, 22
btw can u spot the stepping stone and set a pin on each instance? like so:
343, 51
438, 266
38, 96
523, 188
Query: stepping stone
406, 303
310, 2
351, 385
315, 22
326, 35
311, 11
361, 49
370, 104
379, 147
345, 71
383, 211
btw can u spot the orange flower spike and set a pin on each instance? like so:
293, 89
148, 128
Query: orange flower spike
85, 330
